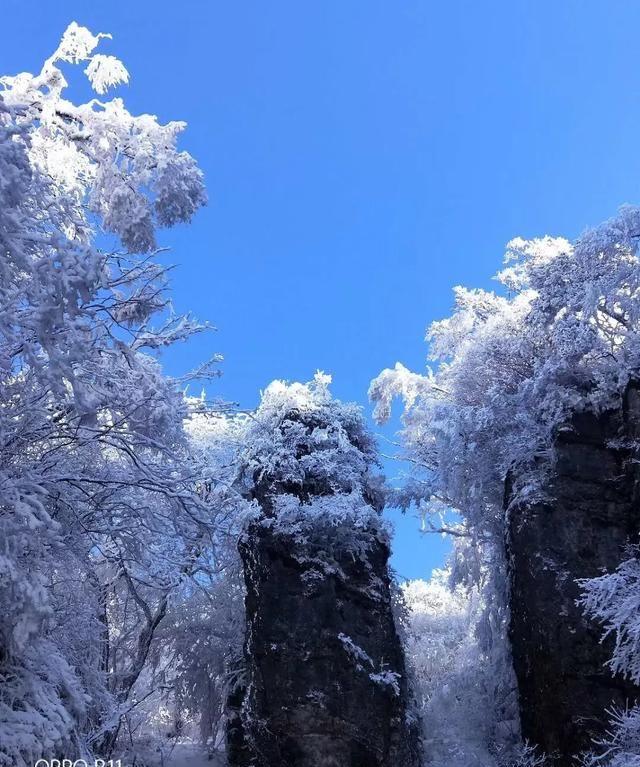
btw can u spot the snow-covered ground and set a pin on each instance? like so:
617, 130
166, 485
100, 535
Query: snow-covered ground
192, 755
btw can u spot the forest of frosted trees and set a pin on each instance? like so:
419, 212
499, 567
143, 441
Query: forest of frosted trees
128, 507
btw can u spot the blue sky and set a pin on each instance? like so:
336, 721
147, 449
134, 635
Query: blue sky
362, 158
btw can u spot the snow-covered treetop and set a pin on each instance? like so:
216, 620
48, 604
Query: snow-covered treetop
75, 315
122, 168
307, 462
435, 597
562, 334
301, 440
300, 459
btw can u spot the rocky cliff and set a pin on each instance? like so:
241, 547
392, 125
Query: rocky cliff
325, 682
591, 513
326, 678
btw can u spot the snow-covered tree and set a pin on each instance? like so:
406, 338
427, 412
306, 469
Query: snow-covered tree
101, 509
454, 678
613, 599
512, 366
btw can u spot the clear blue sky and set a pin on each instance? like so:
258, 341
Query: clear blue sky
362, 158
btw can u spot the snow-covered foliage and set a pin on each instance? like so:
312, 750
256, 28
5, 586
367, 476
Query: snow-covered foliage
613, 601
458, 698
561, 334
180, 696
102, 515
183, 690
512, 366
104, 161
301, 435
308, 460
621, 747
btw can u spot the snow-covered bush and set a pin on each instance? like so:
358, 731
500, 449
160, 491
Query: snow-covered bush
621, 747
300, 435
309, 461
613, 601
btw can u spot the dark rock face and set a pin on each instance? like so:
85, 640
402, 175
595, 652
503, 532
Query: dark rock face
324, 680
317, 636
594, 512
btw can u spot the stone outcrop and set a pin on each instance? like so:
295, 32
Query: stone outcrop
324, 680
326, 677
592, 513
